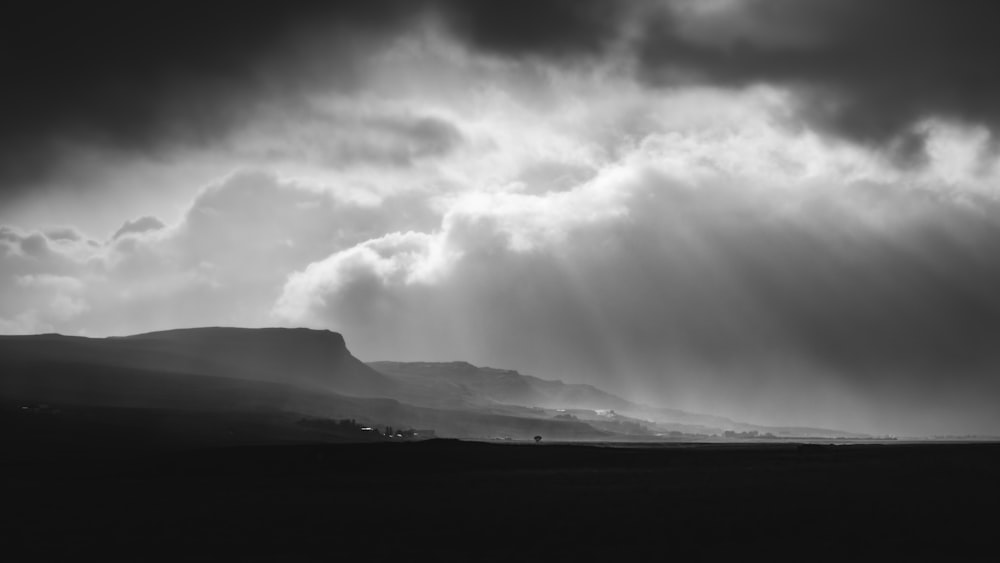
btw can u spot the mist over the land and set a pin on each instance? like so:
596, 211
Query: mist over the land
780, 211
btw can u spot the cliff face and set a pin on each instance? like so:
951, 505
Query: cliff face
302, 357
311, 359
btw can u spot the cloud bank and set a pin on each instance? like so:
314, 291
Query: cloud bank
135, 80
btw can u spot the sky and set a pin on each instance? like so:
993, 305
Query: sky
782, 211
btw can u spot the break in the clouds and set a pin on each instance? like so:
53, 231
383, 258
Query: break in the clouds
778, 210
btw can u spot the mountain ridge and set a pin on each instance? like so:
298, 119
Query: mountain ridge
300, 361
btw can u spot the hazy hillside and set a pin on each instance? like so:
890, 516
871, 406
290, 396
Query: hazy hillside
464, 383
458, 384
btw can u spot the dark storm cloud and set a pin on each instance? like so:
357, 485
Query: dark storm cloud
130, 77
551, 27
133, 77
138, 77
869, 69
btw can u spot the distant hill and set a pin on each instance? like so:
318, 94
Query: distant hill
461, 383
458, 384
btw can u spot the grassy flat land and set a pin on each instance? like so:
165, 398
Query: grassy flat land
480, 501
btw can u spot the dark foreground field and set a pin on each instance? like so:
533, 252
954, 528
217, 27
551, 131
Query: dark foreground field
524, 502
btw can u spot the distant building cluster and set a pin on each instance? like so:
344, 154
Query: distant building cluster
350, 426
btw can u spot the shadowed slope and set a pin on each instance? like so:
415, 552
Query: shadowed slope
244, 373
305, 358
